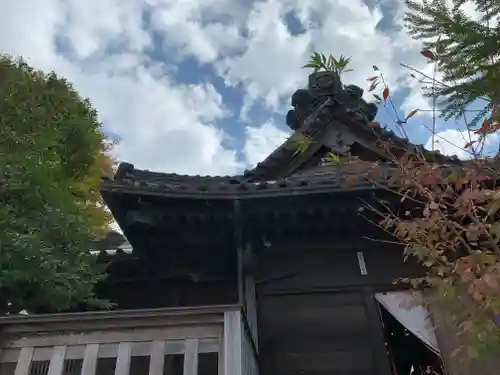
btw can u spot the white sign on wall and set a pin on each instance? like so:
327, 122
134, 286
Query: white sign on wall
362, 263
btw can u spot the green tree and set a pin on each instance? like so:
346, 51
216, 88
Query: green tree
466, 51
52, 155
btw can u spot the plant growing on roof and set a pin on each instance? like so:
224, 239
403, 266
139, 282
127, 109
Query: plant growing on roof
52, 156
320, 62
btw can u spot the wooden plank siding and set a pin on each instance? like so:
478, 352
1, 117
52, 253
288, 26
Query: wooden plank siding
315, 266
46, 349
316, 308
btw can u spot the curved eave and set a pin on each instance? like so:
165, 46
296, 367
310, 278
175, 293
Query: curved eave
244, 190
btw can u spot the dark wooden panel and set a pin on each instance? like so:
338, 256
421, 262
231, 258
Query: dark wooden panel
320, 333
324, 362
385, 263
168, 293
312, 310
307, 269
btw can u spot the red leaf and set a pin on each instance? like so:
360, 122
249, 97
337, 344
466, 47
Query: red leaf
429, 54
385, 94
485, 127
374, 123
372, 78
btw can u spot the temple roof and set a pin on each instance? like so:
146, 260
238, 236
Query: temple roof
331, 119
342, 176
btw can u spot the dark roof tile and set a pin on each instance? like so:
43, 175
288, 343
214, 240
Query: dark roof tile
334, 177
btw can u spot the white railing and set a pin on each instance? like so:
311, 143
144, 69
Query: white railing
137, 342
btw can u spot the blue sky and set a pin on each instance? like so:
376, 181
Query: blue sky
202, 87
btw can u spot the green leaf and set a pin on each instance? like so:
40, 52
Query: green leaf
310, 65
332, 159
300, 142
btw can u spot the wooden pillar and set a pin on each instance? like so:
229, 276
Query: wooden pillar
238, 238
157, 359
24, 361
233, 348
89, 365
123, 359
57, 361
249, 292
191, 357
381, 360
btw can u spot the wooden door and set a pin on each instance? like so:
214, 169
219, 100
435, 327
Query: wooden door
317, 334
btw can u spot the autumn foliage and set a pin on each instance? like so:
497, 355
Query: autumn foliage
448, 217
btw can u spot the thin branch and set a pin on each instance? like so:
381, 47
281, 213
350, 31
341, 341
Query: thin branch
384, 241
447, 141
437, 81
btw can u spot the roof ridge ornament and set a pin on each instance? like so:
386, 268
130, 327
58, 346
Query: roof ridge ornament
124, 169
328, 84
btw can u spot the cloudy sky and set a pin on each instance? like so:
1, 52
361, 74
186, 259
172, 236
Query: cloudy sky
202, 87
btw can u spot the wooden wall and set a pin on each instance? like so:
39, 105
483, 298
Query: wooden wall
322, 333
316, 311
168, 293
306, 267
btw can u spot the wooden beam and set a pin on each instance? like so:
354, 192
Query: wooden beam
202, 331
131, 316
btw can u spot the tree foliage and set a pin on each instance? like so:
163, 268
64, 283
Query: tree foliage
467, 52
52, 156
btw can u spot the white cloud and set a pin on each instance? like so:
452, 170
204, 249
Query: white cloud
164, 126
169, 126
269, 68
199, 28
451, 142
261, 141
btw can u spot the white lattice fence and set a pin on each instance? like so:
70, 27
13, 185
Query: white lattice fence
200, 341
